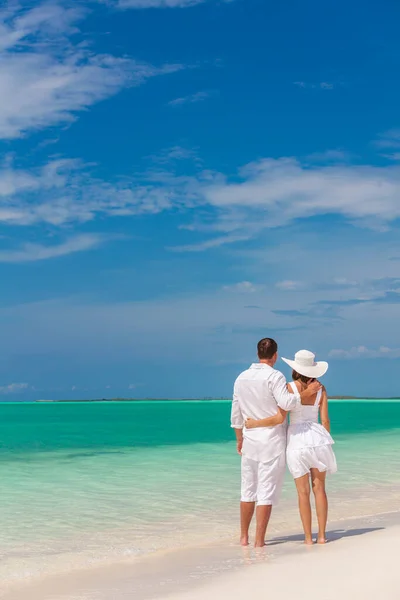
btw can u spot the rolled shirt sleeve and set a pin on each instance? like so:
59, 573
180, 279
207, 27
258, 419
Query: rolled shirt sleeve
285, 400
237, 420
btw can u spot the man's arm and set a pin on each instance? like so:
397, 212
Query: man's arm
308, 396
285, 399
239, 440
280, 392
237, 420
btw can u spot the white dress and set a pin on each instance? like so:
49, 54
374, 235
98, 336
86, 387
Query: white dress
309, 444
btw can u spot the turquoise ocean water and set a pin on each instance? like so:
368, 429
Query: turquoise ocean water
90, 483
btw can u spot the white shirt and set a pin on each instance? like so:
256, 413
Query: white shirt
257, 394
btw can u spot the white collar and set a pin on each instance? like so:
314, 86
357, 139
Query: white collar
260, 366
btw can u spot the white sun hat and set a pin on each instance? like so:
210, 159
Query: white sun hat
304, 364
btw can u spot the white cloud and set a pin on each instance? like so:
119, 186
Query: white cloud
46, 77
389, 139
13, 388
329, 156
241, 287
64, 192
34, 252
344, 282
191, 99
208, 244
142, 4
364, 352
79, 325
174, 154
289, 285
323, 85
395, 156
272, 193
265, 194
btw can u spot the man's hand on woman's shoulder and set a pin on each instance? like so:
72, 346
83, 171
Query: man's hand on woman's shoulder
308, 395
314, 386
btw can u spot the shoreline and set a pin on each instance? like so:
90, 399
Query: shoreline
359, 563
393, 399
116, 400
193, 568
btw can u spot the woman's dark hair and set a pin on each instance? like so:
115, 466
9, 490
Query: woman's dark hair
297, 377
267, 348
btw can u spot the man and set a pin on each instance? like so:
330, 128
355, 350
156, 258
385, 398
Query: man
258, 392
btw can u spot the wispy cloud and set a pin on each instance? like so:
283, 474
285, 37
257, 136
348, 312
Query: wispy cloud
174, 154
289, 285
330, 156
191, 99
336, 284
389, 139
79, 325
394, 156
241, 287
343, 305
389, 297
326, 85
314, 312
271, 193
364, 352
35, 252
343, 282
265, 194
148, 4
64, 192
215, 242
13, 388
47, 75
143, 4
322, 85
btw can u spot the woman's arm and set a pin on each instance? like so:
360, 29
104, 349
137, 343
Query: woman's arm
323, 411
277, 419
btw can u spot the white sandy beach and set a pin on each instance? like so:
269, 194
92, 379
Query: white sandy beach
361, 559
365, 567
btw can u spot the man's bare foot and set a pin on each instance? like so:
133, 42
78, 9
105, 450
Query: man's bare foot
260, 544
322, 540
244, 540
309, 542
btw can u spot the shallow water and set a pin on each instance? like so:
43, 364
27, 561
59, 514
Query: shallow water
92, 482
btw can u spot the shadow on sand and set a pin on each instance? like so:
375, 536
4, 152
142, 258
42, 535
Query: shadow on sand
332, 536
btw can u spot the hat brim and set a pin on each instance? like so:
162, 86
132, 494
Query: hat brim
313, 372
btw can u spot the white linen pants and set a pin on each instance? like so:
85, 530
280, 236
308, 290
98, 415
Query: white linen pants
262, 481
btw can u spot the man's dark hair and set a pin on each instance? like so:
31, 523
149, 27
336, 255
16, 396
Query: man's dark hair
266, 348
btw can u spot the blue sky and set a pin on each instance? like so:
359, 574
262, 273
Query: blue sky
179, 179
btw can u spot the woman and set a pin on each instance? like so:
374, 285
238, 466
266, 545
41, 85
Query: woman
309, 448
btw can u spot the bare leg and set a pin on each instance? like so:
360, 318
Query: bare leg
303, 491
263, 514
246, 514
321, 503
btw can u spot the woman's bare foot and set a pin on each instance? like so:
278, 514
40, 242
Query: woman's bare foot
322, 540
244, 540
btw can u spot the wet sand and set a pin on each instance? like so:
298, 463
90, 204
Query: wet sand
360, 557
